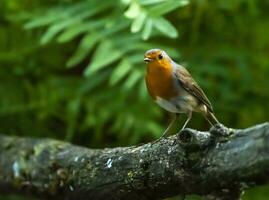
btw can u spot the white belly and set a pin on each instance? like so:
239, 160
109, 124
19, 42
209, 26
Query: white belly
177, 105
167, 105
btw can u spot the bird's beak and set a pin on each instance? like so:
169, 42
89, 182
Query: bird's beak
147, 59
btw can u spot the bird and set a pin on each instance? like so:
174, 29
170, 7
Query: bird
172, 87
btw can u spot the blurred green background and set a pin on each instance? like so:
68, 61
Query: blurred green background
73, 70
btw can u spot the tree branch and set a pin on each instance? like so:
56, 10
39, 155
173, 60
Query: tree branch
218, 164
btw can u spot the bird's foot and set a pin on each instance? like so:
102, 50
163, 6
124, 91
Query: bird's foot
221, 132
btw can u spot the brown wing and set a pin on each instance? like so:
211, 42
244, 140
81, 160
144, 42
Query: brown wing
187, 82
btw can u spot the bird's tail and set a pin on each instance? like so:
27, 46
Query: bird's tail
211, 118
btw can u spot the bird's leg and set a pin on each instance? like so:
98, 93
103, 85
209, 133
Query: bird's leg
168, 128
217, 128
170, 125
205, 116
187, 121
210, 117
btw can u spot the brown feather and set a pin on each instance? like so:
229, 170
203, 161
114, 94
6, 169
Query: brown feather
187, 82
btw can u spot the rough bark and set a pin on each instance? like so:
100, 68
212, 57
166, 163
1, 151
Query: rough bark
218, 164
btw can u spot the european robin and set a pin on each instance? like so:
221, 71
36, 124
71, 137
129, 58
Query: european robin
172, 88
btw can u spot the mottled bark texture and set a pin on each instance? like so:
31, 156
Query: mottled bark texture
218, 164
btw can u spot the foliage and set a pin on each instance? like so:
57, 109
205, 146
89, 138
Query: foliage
73, 70
115, 66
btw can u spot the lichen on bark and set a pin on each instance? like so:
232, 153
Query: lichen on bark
217, 164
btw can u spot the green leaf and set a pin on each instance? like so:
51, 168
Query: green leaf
91, 39
149, 2
51, 17
104, 55
61, 13
85, 46
90, 84
73, 31
147, 29
123, 39
167, 6
113, 26
120, 71
54, 30
79, 28
165, 27
142, 90
126, 2
133, 11
138, 23
137, 58
133, 78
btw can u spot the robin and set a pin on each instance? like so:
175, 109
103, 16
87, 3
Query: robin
172, 88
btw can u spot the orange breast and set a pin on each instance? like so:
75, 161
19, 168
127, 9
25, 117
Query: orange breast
159, 81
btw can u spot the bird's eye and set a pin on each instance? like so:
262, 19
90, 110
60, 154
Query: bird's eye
160, 56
